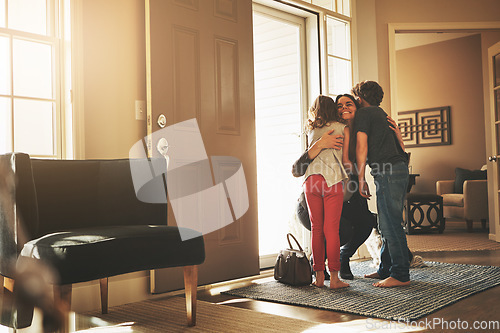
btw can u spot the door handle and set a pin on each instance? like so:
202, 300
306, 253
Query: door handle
162, 121
492, 158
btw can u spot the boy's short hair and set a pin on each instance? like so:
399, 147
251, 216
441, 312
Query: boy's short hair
370, 91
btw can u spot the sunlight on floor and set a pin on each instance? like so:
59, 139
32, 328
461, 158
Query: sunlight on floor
123, 327
225, 286
363, 325
234, 301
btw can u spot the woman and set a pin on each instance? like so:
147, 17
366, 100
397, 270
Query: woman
323, 189
356, 208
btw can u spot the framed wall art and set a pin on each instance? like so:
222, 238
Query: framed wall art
425, 127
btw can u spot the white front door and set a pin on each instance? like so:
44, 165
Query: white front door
280, 98
494, 158
200, 65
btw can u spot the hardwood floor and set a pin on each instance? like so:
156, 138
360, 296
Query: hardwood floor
482, 307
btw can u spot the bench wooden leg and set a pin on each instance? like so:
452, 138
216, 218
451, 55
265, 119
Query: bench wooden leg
469, 225
191, 285
62, 299
104, 295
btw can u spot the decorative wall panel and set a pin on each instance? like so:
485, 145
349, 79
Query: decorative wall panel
426, 127
226, 9
191, 4
187, 99
225, 169
227, 86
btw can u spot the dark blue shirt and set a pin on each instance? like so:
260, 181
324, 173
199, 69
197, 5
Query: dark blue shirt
383, 144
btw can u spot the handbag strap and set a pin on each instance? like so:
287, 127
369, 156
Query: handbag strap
295, 239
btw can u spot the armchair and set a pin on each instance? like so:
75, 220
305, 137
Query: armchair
471, 205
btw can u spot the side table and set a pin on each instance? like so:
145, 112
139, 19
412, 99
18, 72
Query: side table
424, 207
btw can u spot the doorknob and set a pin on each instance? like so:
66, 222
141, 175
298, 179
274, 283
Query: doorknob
492, 158
162, 120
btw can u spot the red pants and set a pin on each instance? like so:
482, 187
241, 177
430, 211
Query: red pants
325, 207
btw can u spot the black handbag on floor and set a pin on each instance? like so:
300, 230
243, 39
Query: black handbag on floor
292, 266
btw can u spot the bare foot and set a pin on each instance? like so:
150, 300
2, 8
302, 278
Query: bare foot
320, 279
373, 276
335, 282
390, 282
338, 284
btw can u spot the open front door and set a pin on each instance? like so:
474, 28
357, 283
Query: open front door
200, 65
494, 158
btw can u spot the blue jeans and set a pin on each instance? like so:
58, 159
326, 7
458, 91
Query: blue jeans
391, 185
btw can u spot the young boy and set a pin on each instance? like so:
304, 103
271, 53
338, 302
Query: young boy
378, 146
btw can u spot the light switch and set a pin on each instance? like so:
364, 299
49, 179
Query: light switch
140, 110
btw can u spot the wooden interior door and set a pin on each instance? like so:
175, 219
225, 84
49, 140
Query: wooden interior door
200, 65
494, 158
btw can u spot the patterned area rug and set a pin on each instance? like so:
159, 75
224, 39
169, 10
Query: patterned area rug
432, 288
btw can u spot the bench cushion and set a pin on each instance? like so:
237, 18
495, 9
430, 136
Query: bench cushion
93, 253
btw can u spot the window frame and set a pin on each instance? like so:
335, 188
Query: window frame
56, 37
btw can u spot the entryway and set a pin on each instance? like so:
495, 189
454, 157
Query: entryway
280, 98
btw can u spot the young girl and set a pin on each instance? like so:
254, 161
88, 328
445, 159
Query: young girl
323, 189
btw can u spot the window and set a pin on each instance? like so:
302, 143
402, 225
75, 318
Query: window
33, 55
339, 6
339, 56
337, 15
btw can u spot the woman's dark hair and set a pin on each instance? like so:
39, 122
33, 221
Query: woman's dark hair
324, 111
370, 91
352, 139
351, 97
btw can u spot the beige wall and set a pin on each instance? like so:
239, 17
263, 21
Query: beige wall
114, 75
411, 11
114, 72
445, 74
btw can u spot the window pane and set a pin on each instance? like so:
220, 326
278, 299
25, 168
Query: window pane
497, 105
5, 65
496, 64
339, 76
33, 127
343, 7
32, 69
28, 15
346, 8
2, 14
338, 38
328, 4
5, 126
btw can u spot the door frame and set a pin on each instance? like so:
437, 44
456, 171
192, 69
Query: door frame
493, 183
456, 27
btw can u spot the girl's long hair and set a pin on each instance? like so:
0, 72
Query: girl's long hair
322, 112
